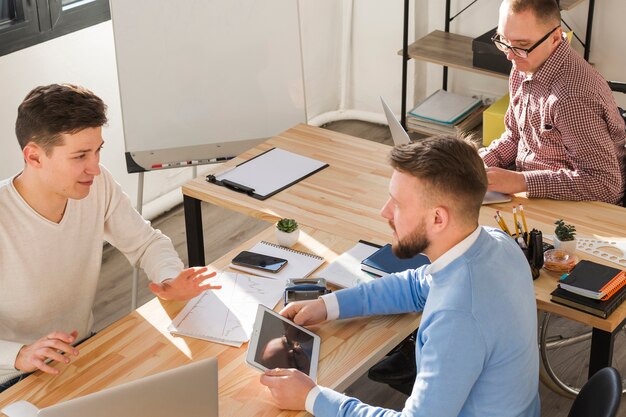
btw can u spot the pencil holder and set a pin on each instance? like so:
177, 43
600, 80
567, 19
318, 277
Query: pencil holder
531, 245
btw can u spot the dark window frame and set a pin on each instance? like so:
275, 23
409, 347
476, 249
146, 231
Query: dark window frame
37, 21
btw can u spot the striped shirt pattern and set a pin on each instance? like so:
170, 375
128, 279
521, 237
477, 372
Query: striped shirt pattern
563, 132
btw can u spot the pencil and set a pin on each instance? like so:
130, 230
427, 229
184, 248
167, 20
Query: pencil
504, 226
499, 222
515, 220
521, 212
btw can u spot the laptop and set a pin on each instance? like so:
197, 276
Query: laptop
398, 134
189, 390
400, 137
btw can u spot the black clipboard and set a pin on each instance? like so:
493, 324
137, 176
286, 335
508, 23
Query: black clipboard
305, 168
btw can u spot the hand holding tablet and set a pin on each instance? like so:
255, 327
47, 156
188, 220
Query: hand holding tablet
277, 342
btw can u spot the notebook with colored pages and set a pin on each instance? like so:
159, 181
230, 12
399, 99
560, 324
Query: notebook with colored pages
299, 264
384, 262
593, 280
589, 305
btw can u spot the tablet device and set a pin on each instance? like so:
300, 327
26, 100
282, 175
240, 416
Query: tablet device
277, 342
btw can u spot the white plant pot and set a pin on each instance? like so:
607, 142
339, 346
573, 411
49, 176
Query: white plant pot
287, 239
568, 245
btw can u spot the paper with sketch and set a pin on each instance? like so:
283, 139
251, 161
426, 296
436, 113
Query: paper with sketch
227, 315
345, 271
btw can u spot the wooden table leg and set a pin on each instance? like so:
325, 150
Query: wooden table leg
193, 227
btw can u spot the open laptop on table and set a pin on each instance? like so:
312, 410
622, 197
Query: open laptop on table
189, 390
400, 137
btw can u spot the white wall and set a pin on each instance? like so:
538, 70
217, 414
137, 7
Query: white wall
320, 25
87, 58
373, 68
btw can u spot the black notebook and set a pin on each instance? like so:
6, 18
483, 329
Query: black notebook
593, 280
596, 307
383, 262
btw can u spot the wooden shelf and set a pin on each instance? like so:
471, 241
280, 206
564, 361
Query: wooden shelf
448, 49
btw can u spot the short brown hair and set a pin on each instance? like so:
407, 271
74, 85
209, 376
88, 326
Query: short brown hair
449, 166
50, 110
546, 11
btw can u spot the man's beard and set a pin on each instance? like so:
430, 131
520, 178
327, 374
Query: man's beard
413, 244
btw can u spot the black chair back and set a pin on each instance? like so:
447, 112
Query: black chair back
600, 396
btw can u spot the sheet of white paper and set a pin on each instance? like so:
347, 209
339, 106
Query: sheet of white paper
271, 171
345, 270
227, 315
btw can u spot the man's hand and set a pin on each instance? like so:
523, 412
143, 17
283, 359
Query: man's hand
505, 181
305, 312
34, 356
289, 387
187, 285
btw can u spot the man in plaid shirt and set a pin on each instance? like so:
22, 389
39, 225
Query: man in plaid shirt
564, 135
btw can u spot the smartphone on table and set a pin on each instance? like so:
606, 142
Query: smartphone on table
259, 261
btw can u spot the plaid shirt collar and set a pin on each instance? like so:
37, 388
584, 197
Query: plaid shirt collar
550, 69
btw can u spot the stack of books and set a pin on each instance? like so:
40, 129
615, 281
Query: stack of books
384, 262
446, 113
591, 287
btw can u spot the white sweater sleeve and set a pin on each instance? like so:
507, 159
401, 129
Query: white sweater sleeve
8, 354
134, 236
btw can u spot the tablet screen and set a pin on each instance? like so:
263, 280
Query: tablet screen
283, 345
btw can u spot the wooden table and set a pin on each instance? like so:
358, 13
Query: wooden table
139, 345
346, 198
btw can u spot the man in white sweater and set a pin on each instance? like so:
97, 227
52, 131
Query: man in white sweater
54, 217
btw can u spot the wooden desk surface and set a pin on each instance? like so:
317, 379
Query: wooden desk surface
346, 199
592, 220
139, 345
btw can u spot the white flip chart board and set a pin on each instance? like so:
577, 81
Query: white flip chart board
205, 79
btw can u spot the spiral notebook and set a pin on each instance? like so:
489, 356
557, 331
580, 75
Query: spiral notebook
299, 264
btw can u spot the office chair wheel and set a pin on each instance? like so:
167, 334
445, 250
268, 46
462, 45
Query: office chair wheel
564, 354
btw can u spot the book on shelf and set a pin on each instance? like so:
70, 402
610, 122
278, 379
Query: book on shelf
463, 126
594, 280
589, 305
384, 262
445, 107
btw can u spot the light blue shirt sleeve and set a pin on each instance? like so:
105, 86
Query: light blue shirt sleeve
404, 292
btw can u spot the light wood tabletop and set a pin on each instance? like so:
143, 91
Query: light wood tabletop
139, 345
346, 198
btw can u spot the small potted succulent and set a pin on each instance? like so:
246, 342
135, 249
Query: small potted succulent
287, 232
565, 236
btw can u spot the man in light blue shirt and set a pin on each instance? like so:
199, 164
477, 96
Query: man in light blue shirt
476, 348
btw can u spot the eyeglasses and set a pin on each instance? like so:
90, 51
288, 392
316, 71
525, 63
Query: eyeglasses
520, 52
